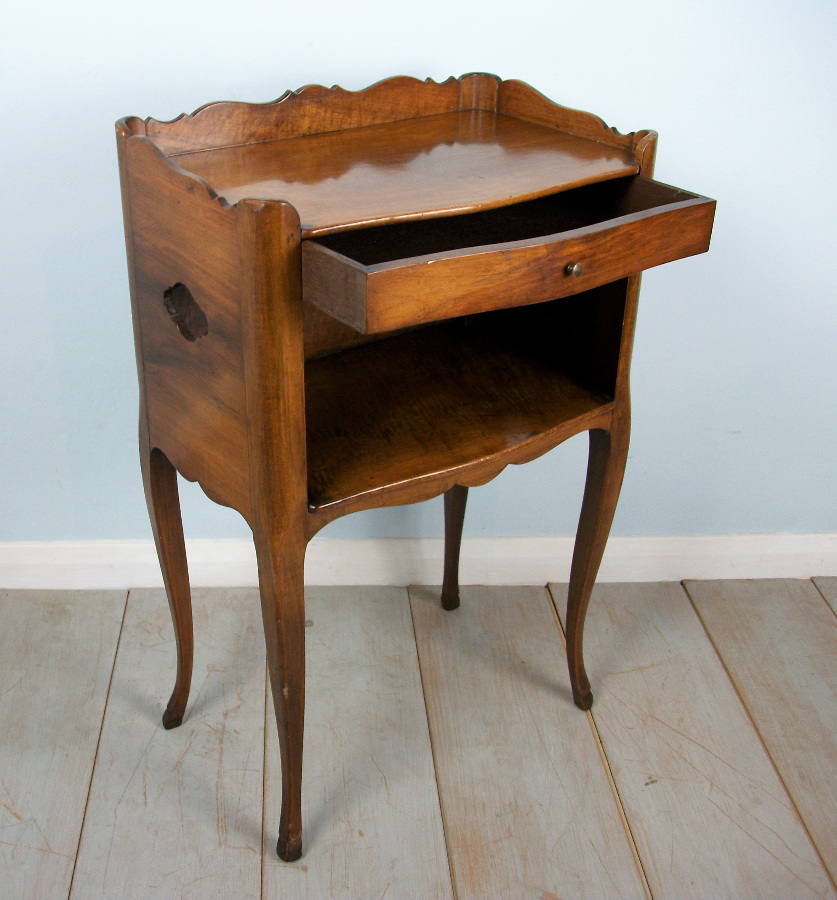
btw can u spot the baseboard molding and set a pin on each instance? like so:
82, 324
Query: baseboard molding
217, 563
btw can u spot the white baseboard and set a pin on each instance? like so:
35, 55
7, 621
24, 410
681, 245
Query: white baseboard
216, 563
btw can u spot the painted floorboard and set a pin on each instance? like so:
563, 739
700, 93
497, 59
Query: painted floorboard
828, 588
177, 814
709, 815
778, 640
56, 656
371, 820
528, 807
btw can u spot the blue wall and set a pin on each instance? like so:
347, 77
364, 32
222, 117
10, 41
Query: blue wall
734, 373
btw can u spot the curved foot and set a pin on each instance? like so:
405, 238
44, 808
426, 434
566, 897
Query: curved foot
289, 850
171, 719
450, 599
583, 701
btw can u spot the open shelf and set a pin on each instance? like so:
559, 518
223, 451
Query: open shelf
434, 401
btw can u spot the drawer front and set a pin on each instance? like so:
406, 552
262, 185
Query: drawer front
418, 289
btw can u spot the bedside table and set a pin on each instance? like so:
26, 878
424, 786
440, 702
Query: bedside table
346, 300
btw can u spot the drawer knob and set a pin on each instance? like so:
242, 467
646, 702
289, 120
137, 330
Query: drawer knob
574, 269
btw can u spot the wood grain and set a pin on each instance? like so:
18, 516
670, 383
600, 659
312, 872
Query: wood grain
226, 394
522, 101
271, 305
309, 110
178, 813
778, 641
708, 813
384, 278
527, 804
828, 588
415, 411
56, 656
370, 803
411, 169
194, 391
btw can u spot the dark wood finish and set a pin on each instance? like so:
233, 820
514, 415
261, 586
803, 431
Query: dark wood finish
473, 196
380, 279
455, 500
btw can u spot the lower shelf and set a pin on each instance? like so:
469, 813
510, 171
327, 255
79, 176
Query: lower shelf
404, 414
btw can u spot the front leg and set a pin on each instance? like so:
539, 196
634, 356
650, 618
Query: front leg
160, 481
281, 560
605, 469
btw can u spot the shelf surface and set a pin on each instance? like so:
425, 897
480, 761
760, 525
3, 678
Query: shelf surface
418, 168
429, 401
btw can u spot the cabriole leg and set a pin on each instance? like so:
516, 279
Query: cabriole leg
455, 500
281, 568
605, 469
160, 480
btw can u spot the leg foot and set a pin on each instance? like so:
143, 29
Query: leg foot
289, 850
160, 480
171, 719
583, 701
455, 500
605, 468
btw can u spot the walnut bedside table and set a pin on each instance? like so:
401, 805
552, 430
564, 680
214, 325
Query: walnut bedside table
345, 300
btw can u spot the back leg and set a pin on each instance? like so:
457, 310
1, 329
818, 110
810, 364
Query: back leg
160, 480
455, 500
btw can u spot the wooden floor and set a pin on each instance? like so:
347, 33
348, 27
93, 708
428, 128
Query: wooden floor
443, 755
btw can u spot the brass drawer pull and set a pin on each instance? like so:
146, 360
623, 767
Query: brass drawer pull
574, 269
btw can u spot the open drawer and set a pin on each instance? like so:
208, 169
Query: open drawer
393, 276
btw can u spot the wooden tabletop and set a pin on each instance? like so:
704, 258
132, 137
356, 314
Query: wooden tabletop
411, 169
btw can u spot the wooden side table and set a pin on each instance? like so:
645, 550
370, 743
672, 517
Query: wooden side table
345, 300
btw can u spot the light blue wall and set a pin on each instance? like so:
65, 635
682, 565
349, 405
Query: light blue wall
735, 407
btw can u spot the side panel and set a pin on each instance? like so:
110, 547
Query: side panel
194, 389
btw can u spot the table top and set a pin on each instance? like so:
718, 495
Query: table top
443, 164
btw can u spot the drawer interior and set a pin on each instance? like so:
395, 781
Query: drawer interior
553, 214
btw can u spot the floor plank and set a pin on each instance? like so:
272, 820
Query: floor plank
778, 640
178, 813
56, 656
709, 814
828, 588
528, 807
371, 820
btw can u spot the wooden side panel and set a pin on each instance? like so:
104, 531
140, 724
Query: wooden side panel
56, 656
778, 640
526, 800
371, 819
309, 110
709, 815
521, 101
194, 390
178, 813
